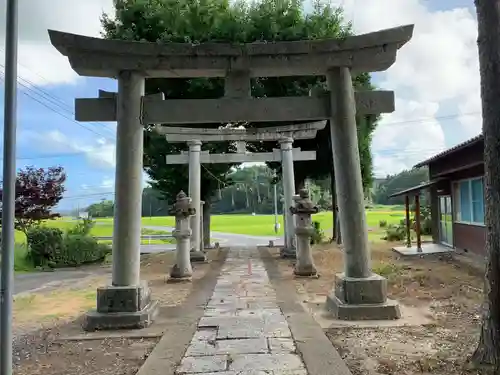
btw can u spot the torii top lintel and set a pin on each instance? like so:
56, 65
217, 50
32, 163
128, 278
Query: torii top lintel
98, 57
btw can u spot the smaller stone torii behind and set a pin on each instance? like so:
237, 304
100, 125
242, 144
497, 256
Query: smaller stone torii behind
284, 135
127, 303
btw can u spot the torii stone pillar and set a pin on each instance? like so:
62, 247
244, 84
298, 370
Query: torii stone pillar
195, 195
127, 302
359, 294
289, 192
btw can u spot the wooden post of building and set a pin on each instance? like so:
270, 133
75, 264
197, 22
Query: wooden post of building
408, 223
417, 222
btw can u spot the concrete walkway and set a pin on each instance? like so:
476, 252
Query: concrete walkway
242, 332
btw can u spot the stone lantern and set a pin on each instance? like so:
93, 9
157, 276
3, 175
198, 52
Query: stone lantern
304, 230
182, 210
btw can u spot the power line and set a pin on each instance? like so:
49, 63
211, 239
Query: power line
52, 99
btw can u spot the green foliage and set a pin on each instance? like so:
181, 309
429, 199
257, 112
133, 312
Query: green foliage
50, 247
401, 181
83, 227
44, 244
395, 232
382, 223
388, 270
318, 234
425, 221
80, 249
104, 208
197, 21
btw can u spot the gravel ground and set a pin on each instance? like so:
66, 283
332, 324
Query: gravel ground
38, 349
450, 293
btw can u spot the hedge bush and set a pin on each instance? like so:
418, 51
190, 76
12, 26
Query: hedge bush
43, 245
49, 247
81, 249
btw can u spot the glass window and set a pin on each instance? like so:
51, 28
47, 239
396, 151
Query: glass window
465, 201
477, 195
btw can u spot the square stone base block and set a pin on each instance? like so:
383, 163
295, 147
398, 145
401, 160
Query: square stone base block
389, 310
362, 299
288, 253
361, 291
122, 307
197, 257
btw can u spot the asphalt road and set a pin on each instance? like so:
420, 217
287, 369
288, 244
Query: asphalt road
30, 282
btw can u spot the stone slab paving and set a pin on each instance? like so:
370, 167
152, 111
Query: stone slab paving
242, 332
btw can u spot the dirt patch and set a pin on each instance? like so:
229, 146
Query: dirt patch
57, 314
450, 291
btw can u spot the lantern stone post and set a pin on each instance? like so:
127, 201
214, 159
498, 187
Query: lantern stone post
183, 211
303, 210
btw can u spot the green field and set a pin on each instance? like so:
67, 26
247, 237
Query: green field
263, 225
258, 225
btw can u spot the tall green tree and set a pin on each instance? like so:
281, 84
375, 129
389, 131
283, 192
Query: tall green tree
197, 21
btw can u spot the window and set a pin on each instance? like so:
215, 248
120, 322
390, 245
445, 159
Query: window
469, 201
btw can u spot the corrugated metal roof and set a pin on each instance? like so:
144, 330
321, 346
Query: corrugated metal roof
460, 146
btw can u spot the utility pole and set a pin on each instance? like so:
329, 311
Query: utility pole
9, 187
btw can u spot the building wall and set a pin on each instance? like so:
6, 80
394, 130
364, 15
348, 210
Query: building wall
466, 237
470, 238
455, 160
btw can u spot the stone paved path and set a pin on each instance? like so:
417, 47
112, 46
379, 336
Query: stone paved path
243, 332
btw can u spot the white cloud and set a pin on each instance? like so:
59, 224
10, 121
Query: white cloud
100, 152
439, 65
39, 62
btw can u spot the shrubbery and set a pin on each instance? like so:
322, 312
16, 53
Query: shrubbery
318, 234
50, 247
396, 232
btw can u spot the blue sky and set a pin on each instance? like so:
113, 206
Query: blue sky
435, 79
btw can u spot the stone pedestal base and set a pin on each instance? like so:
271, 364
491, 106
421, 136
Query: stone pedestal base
288, 253
176, 280
308, 271
362, 299
122, 307
197, 257
180, 274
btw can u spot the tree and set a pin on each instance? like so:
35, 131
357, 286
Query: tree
488, 16
38, 191
198, 21
398, 182
104, 208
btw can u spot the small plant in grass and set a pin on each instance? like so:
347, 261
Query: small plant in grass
318, 234
382, 223
387, 270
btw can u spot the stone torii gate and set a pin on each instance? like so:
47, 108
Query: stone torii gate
126, 303
285, 135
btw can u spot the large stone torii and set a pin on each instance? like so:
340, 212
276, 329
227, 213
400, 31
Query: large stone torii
285, 135
126, 303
